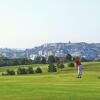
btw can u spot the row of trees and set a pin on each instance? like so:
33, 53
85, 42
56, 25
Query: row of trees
38, 60
51, 58
54, 63
13, 62
29, 70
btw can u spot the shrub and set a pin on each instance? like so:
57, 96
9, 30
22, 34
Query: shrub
38, 70
22, 71
61, 66
8, 72
71, 64
58, 64
99, 77
4, 73
52, 68
11, 72
30, 70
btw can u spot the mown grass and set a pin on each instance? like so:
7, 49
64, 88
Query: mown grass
62, 85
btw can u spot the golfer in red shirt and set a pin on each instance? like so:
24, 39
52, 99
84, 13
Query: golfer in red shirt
79, 67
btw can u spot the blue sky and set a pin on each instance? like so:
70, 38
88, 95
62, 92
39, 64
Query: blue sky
29, 23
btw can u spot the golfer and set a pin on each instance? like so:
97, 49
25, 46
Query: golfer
79, 67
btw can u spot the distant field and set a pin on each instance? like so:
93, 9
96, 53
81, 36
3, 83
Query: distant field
62, 85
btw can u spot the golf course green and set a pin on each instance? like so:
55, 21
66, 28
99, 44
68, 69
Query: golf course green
61, 85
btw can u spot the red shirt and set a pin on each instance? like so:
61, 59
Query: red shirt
78, 62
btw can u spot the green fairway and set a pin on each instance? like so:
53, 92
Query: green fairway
62, 85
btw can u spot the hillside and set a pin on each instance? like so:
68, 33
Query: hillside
89, 51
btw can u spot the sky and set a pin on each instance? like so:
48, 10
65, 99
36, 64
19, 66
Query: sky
30, 23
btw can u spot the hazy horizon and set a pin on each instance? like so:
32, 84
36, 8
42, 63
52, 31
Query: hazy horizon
46, 43
30, 23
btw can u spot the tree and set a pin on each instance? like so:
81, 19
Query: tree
22, 71
52, 68
68, 57
62, 66
51, 59
2, 60
38, 70
37, 60
30, 70
57, 59
43, 60
8, 72
60, 63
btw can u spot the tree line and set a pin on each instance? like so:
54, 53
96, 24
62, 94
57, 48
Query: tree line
37, 60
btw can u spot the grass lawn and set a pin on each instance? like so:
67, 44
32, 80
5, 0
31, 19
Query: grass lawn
62, 85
